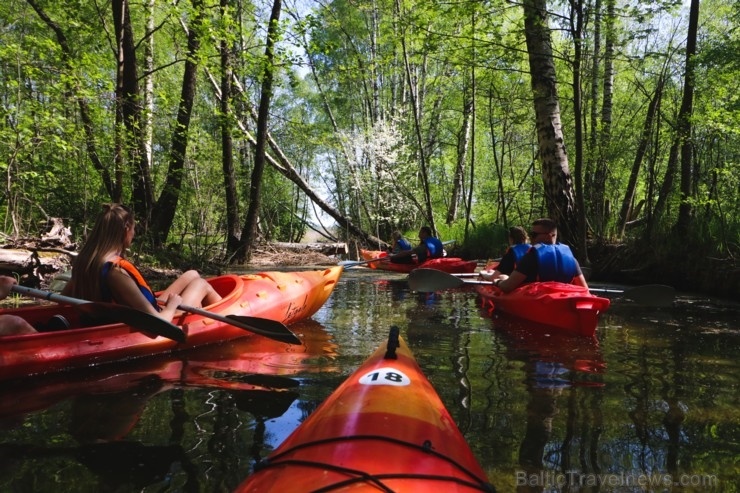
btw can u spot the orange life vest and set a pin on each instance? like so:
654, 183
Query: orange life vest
135, 275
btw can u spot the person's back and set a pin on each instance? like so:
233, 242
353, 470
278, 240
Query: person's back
431, 246
400, 244
548, 260
556, 263
518, 247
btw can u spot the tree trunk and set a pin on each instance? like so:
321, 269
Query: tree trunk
167, 203
625, 214
416, 110
249, 232
473, 94
598, 187
148, 120
227, 145
128, 103
555, 173
463, 143
594, 92
577, 32
685, 210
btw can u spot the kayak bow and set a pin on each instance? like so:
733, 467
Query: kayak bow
362, 439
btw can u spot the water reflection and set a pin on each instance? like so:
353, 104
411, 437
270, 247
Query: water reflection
561, 373
109, 418
655, 394
239, 364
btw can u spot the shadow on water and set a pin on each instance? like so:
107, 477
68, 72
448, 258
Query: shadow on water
655, 394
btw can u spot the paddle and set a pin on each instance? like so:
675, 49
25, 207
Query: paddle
111, 313
428, 280
262, 326
348, 264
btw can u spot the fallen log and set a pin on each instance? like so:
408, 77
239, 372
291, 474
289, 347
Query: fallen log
323, 248
14, 260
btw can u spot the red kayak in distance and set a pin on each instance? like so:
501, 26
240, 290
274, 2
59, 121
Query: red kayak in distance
384, 428
452, 265
566, 307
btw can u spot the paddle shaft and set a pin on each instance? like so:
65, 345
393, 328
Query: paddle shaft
47, 295
351, 263
262, 326
592, 290
111, 312
426, 280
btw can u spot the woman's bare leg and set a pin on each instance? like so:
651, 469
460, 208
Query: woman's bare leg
194, 289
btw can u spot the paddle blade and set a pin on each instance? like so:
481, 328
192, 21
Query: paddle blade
651, 294
112, 313
266, 327
428, 280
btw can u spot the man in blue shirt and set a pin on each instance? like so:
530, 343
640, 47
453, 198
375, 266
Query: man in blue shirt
547, 260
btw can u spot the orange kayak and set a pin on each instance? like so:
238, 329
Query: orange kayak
285, 297
567, 307
244, 366
453, 265
384, 429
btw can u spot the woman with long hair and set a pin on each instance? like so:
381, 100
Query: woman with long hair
101, 272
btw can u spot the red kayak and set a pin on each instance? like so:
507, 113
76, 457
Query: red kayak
453, 265
285, 297
384, 429
564, 306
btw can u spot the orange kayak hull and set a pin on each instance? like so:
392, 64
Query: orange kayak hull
566, 307
286, 297
383, 429
451, 265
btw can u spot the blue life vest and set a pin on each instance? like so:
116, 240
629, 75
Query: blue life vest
435, 248
556, 263
402, 245
519, 250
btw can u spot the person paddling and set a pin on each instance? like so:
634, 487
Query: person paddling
547, 260
101, 272
399, 243
429, 247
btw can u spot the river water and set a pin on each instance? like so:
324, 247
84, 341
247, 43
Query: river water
651, 404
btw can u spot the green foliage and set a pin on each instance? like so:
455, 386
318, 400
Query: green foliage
365, 92
487, 241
